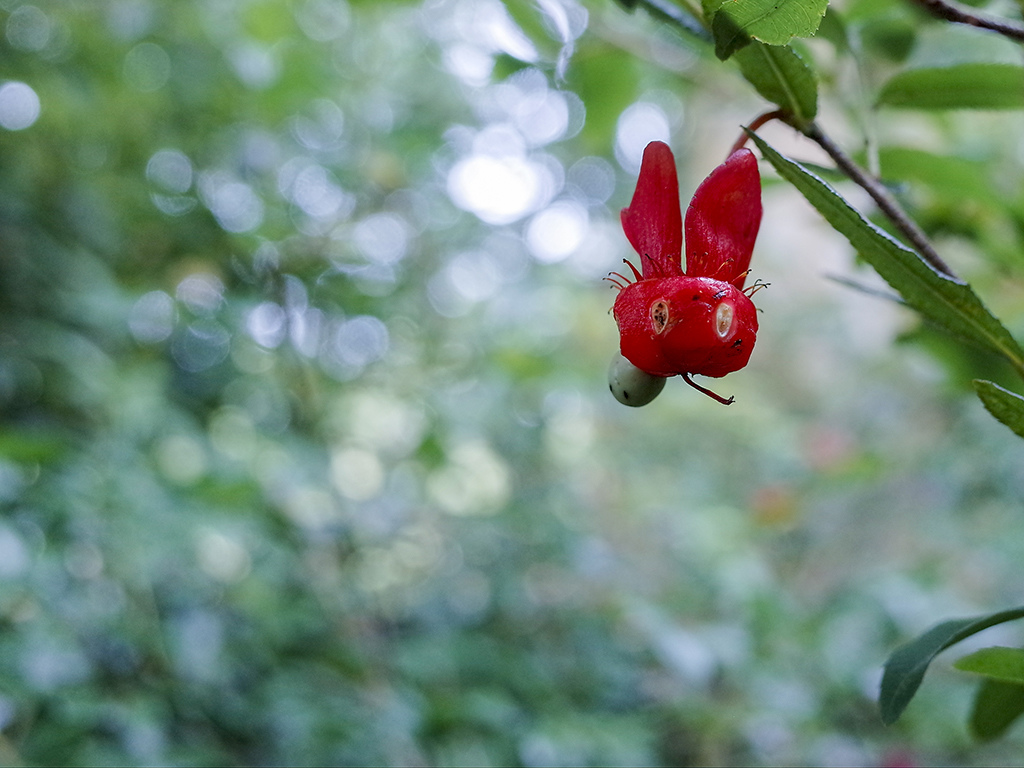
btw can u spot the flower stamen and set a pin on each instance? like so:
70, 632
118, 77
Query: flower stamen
615, 280
725, 264
615, 277
750, 290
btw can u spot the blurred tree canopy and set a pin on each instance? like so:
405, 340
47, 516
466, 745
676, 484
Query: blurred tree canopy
306, 452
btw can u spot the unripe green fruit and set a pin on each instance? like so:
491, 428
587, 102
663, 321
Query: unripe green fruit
630, 385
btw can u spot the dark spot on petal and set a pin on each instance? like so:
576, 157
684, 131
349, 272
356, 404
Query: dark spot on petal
659, 315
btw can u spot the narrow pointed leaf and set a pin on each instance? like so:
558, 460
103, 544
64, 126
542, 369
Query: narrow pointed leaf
906, 667
997, 662
996, 706
943, 301
1004, 405
781, 76
961, 86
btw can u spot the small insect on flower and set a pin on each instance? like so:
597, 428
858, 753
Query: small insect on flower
701, 321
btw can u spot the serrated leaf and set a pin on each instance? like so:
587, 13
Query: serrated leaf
947, 303
906, 667
1004, 405
996, 706
774, 22
781, 76
962, 86
997, 662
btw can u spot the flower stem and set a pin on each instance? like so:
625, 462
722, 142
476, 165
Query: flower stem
757, 122
708, 392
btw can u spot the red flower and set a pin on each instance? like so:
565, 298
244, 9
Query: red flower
701, 321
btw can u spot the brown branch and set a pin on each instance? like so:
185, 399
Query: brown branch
949, 12
885, 201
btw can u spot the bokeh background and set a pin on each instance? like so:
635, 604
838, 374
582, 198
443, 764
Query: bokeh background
306, 449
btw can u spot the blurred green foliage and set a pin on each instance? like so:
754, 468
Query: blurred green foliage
306, 455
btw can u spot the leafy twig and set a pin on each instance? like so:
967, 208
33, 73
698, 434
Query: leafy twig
885, 201
950, 12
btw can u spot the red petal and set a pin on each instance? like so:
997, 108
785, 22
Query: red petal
653, 222
723, 219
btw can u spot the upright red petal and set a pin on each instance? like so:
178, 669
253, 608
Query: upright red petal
653, 222
723, 219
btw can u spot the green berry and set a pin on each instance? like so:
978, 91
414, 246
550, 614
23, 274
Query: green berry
630, 385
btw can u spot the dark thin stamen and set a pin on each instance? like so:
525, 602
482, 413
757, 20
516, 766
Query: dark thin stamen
750, 290
614, 282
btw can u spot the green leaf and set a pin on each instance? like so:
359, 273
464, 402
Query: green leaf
997, 662
906, 667
781, 76
963, 86
774, 22
948, 303
889, 38
996, 706
1004, 405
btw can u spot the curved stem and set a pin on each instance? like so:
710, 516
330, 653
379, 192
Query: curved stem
950, 12
708, 392
885, 201
757, 122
